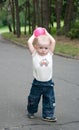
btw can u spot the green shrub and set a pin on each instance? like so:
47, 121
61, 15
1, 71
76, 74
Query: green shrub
74, 32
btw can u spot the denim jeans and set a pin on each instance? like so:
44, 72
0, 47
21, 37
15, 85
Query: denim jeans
46, 90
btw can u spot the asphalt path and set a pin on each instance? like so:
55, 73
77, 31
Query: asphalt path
15, 83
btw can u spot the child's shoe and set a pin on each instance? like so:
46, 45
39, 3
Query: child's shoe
31, 115
50, 119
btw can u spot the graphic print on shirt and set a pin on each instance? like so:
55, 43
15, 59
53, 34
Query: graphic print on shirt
44, 62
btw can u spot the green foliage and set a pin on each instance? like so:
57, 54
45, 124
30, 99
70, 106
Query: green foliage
3, 18
74, 32
2, 1
5, 15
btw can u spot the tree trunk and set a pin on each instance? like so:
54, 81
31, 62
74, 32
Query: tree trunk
9, 26
45, 14
25, 20
28, 10
59, 4
13, 15
8, 17
17, 19
50, 13
34, 16
37, 13
68, 15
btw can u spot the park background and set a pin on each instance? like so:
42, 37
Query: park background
18, 19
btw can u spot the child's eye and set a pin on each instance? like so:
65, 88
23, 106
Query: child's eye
41, 48
46, 48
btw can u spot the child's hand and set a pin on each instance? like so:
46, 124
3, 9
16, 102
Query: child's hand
46, 32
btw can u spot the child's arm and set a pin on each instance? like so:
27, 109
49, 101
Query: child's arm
30, 44
53, 42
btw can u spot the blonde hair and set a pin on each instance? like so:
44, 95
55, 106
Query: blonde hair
42, 39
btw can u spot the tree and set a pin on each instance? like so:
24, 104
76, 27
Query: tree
41, 13
28, 13
34, 16
18, 32
59, 4
45, 13
68, 15
12, 9
13, 16
36, 21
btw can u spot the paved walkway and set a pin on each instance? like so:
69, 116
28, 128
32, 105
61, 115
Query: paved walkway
15, 81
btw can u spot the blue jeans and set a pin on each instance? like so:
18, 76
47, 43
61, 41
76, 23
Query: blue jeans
46, 90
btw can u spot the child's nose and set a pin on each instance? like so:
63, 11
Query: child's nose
43, 49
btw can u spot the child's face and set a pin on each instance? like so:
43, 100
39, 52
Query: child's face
42, 49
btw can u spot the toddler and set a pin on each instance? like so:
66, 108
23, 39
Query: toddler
42, 48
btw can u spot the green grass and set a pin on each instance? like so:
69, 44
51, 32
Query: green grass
21, 40
4, 29
68, 49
